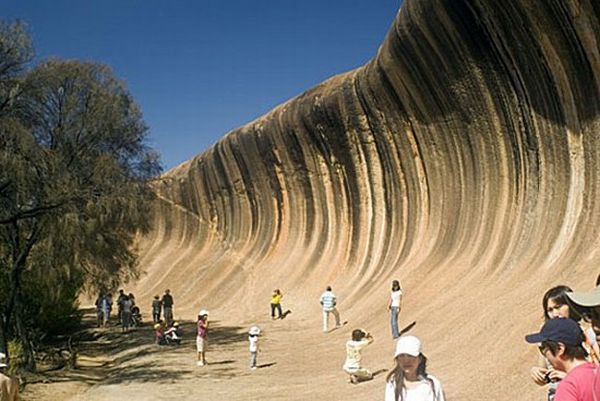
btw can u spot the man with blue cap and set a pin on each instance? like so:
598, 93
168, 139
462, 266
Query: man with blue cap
561, 344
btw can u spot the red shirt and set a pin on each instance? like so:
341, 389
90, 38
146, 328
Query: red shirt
578, 384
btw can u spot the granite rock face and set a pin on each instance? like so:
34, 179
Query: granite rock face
464, 159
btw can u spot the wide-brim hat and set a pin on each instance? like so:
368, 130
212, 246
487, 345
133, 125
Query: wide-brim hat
409, 345
591, 298
203, 312
254, 331
3, 360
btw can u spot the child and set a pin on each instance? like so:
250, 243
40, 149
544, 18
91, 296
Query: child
159, 337
201, 337
354, 347
172, 334
253, 339
156, 309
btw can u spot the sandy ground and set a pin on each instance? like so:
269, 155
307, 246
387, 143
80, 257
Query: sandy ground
292, 366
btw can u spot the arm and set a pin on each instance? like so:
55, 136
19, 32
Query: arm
538, 372
390, 392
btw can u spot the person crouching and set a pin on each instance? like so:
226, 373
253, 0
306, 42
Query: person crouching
354, 347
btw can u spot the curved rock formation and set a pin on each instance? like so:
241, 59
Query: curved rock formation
462, 159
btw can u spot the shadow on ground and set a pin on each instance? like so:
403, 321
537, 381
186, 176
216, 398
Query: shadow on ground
109, 356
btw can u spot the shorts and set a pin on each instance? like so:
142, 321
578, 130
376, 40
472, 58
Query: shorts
200, 344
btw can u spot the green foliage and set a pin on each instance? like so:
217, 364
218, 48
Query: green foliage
74, 184
17, 357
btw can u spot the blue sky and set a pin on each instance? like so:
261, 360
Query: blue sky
199, 68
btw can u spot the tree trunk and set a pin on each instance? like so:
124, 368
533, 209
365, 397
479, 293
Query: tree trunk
15, 304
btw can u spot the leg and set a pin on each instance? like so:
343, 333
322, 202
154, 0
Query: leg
363, 374
337, 317
272, 311
325, 320
394, 321
253, 360
200, 350
279, 310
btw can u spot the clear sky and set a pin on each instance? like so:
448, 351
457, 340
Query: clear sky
199, 68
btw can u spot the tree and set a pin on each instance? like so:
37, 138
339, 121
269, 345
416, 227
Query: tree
74, 182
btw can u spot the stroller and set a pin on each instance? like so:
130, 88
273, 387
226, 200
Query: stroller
136, 317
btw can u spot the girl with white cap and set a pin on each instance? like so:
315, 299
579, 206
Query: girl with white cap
409, 380
253, 339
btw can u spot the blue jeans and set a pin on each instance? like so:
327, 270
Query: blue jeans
394, 320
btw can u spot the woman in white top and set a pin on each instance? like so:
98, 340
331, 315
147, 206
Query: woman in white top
394, 307
409, 380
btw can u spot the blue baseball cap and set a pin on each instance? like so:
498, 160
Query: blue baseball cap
562, 330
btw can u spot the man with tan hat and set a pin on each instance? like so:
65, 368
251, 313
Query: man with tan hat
9, 386
590, 300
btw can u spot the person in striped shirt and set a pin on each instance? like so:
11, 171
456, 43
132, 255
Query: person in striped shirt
328, 303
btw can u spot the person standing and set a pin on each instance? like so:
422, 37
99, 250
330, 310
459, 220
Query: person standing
156, 309
120, 300
167, 303
561, 344
253, 340
202, 336
99, 313
276, 304
9, 385
409, 380
394, 307
328, 303
127, 305
354, 347
106, 305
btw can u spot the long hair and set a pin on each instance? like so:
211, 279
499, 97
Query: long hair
559, 295
396, 376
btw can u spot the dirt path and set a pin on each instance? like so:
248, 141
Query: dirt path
296, 362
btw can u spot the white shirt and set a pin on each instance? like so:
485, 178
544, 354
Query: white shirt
253, 343
396, 297
421, 392
354, 353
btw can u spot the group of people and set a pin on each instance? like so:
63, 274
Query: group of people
568, 343
128, 313
167, 335
408, 380
163, 305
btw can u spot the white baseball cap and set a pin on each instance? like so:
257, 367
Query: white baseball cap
409, 345
202, 312
3, 360
254, 330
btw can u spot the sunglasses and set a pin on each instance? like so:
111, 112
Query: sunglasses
542, 350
